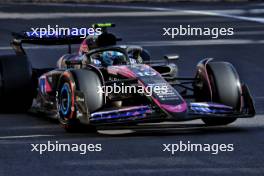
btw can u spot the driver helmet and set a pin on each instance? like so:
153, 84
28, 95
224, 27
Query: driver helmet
110, 57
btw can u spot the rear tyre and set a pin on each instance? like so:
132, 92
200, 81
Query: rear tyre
225, 87
16, 85
66, 102
77, 80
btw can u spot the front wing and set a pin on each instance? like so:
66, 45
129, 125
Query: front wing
137, 114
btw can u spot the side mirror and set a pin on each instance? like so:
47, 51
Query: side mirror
171, 57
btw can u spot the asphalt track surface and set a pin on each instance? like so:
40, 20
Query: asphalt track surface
139, 152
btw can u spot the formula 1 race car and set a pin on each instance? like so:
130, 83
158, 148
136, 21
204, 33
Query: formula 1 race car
75, 91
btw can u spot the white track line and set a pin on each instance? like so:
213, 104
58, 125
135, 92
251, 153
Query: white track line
25, 136
169, 12
230, 13
32, 16
164, 43
222, 14
96, 6
259, 97
249, 33
156, 11
199, 42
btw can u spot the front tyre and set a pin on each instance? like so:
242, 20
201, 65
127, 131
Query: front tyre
225, 86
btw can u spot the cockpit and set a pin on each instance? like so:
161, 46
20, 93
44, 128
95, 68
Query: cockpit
108, 57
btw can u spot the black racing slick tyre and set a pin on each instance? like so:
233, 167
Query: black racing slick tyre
16, 85
225, 85
84, 81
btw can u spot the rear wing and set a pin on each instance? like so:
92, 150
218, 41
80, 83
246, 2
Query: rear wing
20, 38
34, 38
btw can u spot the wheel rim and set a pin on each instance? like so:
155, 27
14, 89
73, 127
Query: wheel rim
65, 99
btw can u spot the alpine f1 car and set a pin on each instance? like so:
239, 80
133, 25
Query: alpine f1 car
70, 91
